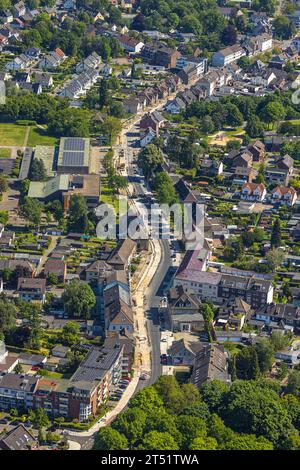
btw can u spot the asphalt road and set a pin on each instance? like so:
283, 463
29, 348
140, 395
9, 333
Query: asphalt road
154, 291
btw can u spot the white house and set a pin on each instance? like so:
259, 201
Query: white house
227, 55
175, 106
200, 63
130, 44
264, 42
18, 63
91, 62
19, 9
284, 195
264, 78
253, 192
147, 137
52, 60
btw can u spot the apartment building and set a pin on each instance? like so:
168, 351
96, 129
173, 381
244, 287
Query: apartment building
227, 55
217, 287
158, 54
77, 398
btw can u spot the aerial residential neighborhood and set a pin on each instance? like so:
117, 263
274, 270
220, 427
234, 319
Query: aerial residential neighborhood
149, 225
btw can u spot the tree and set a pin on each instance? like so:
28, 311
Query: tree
190, 428
131, 424
274, 259
254, 127
5, 4
276, 234
244, 62
32, 38
78, 213
111, 128
52, 437
161, 421
155, 440
213, 394
204, 443
70, 122
37, 170
191, 396
247, 442
171, 393
247, 366
118, 182
18, 369
56, 209
207, 125
3, 184
4, 217
41, 436
280, 341
293, 386
32, 211
110, 439
255, 408
200, 410
229, 35
79, 299
70, 334
265, 355
234, 116
147, 398
218, 430
6, 274
273, 112
116, 110
283, 27
8, 313
104, 96
39, 418
164, 188
149, 159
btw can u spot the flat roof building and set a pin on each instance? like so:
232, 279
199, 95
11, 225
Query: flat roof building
74, 155
46, 154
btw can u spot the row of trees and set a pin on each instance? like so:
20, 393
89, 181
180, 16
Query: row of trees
32, 210
44, 109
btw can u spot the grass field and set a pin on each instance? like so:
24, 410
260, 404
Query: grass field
5, 153
12, 134
38, 136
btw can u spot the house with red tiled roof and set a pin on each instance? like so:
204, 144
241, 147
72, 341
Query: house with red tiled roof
130, 44
284, 195
253, 192
60, 53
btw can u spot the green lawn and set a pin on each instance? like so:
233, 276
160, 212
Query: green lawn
5, 153
38, 136
12, 134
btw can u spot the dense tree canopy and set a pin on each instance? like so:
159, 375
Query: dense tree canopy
249, 415
79, 299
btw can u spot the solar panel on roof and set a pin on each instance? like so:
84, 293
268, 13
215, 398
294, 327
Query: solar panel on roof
74, 143
73, 158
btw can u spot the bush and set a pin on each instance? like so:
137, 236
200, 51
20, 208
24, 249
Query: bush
25, 122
